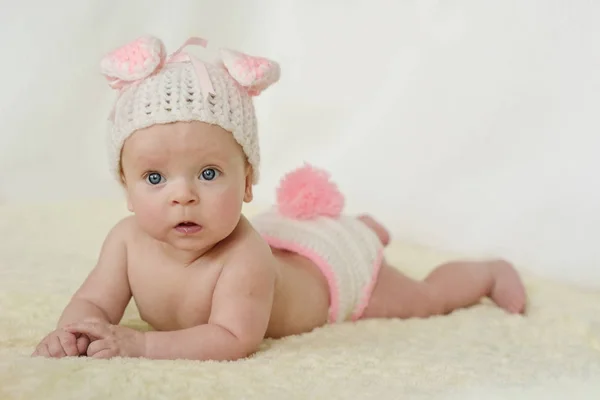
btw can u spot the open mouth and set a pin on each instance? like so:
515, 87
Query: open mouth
188, 227
187, 224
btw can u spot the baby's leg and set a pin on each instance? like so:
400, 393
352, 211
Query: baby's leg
449, 287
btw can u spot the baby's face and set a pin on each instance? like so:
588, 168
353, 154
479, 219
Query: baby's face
186, 183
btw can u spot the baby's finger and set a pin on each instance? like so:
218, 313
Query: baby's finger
97, 346
82, 344
106, 353
91, 329
69, 344
55, 347
41, 350
45, 351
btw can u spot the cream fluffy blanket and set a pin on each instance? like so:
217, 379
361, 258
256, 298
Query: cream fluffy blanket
46, 252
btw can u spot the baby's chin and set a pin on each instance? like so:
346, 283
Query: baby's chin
191, 242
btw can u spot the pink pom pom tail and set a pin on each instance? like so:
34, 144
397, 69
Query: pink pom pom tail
307, 193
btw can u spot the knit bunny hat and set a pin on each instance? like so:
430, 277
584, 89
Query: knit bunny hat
155, 88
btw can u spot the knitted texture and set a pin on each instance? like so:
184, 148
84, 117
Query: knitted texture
348, 253
308, 220
159, 89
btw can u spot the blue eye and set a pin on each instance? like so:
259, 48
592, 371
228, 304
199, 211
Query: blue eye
209, 174
154, 178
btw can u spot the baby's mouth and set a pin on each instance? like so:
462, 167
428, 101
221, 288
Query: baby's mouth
188, 227
187, 224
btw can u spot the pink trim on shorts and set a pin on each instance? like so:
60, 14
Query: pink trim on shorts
320, 262
325, 268
368, 290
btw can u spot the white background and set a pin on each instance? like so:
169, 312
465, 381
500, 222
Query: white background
470, 126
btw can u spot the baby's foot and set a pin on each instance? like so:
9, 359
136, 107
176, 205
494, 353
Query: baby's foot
376, 227
508, 291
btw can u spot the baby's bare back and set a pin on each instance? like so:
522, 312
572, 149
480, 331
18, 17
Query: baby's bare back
171, 296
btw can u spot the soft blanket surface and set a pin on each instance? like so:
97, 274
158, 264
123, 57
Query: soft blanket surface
46, 252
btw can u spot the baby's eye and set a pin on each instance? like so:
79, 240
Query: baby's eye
209, 174
154, 178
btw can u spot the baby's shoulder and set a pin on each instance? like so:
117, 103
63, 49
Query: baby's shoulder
248, 265
248, 247
123, 231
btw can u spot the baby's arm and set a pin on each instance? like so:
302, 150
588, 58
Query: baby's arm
103, 296
240, 314
105, 293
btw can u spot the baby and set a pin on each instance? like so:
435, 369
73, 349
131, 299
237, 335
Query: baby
211, 283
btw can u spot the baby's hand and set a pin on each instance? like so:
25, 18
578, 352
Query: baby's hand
110, 340
61, 343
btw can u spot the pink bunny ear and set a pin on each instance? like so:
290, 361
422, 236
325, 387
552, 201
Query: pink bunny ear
254, 73
133, 61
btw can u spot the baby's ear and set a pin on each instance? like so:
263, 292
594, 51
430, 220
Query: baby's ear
129, 204
255, 74
125, 191
248, 195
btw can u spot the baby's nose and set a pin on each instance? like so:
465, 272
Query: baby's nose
184, 195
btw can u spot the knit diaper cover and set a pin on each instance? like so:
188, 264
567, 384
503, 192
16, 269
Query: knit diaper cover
307, 220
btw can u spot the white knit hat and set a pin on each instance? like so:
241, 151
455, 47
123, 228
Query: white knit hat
155, 88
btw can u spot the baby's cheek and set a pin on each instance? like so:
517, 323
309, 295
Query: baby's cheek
149, 210
227, 206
